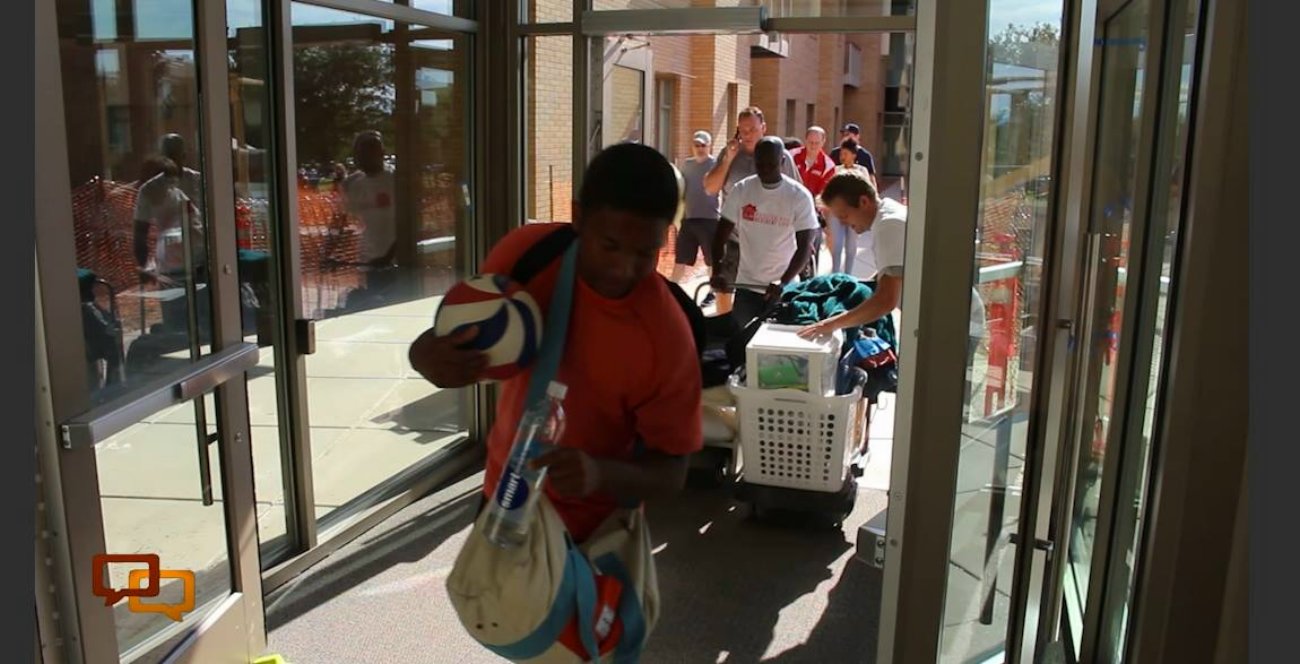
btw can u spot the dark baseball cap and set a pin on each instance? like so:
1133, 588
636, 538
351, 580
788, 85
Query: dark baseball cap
852, 128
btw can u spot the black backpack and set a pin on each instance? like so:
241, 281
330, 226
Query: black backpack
550, 248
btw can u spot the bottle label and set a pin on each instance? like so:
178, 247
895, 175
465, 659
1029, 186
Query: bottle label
512, 491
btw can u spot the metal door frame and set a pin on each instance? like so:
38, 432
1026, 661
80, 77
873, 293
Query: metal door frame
70, 477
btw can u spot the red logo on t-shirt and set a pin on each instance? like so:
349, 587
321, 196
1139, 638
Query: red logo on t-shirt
749, 212
382, 200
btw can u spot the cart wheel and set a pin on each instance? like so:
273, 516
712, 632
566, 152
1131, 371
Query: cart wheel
711, 477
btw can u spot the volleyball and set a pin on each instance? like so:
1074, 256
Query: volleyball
508, 320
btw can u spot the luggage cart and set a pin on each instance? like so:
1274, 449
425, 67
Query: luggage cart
798, 449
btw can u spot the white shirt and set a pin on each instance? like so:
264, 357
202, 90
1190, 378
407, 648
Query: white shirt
370, 199
889, 233
167, 203
766, 223
864, 257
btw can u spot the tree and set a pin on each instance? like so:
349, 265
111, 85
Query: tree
1036, 46
341, 89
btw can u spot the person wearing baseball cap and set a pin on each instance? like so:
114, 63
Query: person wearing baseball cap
700, 221
853, 131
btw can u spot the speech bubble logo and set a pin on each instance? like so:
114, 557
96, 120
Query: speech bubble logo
176, 610
101, 587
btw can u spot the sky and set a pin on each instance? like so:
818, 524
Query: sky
1023, 12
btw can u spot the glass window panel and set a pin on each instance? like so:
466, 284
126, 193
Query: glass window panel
1123, 67
1019, 148
142, 233
548, 11
1167, 203
383, 143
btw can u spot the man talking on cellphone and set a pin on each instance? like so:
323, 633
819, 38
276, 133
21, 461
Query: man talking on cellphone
735, 163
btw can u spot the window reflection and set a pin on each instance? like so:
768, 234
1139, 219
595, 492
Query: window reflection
382, 190
1020, 108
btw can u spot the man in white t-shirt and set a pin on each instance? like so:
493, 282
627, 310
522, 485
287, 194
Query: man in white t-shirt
775, 222
851, 197
369, 195
167, 201
881, 226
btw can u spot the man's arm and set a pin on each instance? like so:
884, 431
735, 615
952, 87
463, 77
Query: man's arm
889, 290
652, 477
716, 178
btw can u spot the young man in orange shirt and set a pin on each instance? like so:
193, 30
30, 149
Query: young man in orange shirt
633, 402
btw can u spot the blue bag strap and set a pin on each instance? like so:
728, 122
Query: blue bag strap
586, 601
575, 596
629, 611
556, 328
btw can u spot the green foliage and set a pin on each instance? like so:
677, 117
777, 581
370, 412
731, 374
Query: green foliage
341, 89
1035, 46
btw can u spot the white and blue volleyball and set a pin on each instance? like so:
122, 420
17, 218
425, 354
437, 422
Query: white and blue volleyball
508, 320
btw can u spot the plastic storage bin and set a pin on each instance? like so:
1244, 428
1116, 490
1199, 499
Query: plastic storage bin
797, 440
777, 358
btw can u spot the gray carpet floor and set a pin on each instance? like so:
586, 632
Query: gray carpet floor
733, 589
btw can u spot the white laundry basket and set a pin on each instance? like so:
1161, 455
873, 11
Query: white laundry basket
796, 440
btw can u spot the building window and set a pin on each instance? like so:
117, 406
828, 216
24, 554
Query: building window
789, 117
811, 118
664, 104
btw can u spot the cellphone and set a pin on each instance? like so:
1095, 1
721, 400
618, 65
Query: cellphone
737, 136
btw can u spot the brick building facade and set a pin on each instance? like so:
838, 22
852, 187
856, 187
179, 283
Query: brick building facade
697, 82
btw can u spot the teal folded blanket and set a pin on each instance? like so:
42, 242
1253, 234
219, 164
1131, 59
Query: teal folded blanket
819, 298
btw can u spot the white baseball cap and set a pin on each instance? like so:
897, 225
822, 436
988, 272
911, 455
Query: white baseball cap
703, 138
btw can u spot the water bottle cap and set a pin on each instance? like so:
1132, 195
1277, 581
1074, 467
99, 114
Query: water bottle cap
557, 390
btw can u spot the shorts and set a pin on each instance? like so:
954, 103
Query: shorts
729, 266
694, 236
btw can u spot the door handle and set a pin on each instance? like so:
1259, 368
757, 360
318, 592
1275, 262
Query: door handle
304, 334
99, 424
1046, 546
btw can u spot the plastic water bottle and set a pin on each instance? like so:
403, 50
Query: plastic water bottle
511, 508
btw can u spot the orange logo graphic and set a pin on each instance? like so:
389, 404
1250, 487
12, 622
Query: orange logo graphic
135, 591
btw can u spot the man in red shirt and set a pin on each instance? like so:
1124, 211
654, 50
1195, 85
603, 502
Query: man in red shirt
816, 168
633, 402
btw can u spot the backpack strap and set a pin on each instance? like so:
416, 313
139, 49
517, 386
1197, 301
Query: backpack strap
550, 248
556, 326
542, 254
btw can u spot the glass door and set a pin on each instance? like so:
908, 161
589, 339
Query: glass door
141, 347
377, 228
1148, 55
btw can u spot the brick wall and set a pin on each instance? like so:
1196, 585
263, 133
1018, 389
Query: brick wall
700, 69
548, 109
865, 105
830, 84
